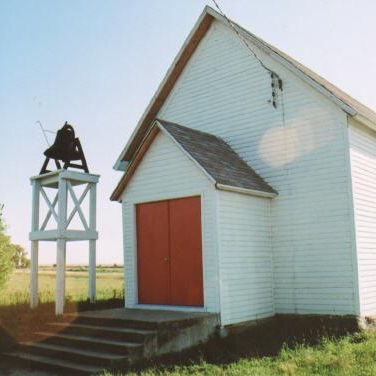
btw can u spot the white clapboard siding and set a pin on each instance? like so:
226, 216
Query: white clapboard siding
164, 173
245, 258
363, 174
300, 148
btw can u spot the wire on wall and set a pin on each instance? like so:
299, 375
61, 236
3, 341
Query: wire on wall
276, 81
277, 97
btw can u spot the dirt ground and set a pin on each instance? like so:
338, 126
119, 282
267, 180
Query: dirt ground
10, 371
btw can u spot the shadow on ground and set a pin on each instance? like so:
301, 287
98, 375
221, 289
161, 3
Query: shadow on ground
19, 321
267, 338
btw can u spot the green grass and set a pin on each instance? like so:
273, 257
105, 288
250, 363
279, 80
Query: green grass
352, 355
292, 347
109, 285
18, 321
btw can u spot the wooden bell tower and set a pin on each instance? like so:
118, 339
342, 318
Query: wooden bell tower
63, 183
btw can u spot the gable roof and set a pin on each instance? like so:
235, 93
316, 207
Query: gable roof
343, 100
217, 158
221, 165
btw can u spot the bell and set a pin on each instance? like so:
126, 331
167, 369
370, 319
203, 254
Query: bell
66, 148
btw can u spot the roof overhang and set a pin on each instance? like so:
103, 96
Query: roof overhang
365, 120
245, 191
261, 189
165, 87
132, 165
346, 103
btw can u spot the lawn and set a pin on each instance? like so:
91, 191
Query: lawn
295, 347
353, 355
109, 285
18, 321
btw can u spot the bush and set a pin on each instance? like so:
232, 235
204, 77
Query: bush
7, 252
20, 259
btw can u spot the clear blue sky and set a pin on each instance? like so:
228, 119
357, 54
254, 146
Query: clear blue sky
98, 63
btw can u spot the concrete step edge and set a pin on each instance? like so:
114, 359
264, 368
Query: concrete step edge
75, 350
50, 361
130, 321
48, 335
104, 328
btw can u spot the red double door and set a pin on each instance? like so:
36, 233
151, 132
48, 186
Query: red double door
169, 252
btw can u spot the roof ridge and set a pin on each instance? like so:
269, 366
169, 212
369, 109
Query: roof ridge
188, 128
319, 79
339, 97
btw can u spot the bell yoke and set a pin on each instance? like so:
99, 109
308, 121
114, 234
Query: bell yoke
66, 148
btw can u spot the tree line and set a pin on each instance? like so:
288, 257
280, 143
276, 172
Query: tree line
11, 255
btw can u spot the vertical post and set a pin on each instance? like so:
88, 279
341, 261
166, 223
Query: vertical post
34, 274
34, 246
60, 276
92, 242
61, 246
92, 271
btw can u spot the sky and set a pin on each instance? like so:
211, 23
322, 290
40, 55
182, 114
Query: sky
96, 64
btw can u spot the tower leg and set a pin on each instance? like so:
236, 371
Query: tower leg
34, 274
60, 276
92, 271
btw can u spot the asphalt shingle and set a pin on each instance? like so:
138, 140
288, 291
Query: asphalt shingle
217, 158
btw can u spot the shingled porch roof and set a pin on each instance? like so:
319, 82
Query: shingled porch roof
219, 162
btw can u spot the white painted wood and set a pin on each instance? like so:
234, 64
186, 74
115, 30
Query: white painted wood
34, 246
92, 207
34, 274
51, 206
49, 213
246, 267
245, 191
51, 179
62, 206
92, 243
265, 50
35, 206
355, 265
92, 270
188, 155
70, 235
321, 225
166, 173
60, 276
300, 149
77, 178
78, 202
160, 87
63, 181
363, 174
217, 235
366, 121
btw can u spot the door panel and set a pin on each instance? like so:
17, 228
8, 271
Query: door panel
169, 251
153, 253
186, 252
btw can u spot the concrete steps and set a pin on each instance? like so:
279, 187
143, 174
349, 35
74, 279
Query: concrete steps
129, 334
92, 342
95, 358
110, 321
48, 363
111, 339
